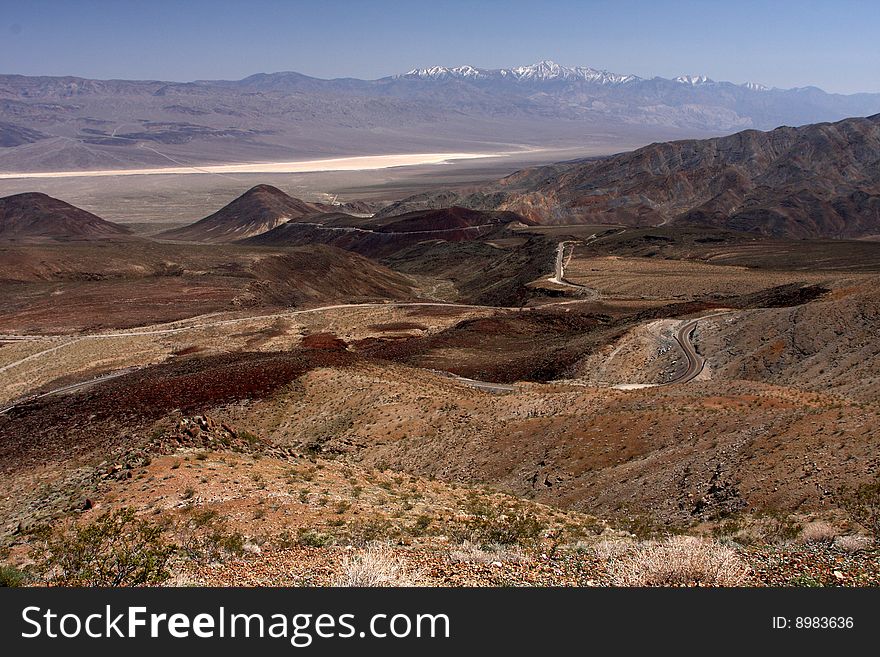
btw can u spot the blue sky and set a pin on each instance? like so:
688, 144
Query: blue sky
833, 45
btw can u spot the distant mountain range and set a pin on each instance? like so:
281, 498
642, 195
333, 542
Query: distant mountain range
69, 123
544, 71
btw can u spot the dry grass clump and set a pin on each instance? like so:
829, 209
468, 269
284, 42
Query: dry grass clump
609, 549
818, 531
853, 542
469, 552
374, 566
679, 561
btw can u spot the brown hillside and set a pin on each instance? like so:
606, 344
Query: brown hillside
36, 217
258, 210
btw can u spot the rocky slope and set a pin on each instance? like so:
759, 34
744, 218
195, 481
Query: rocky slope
819, 180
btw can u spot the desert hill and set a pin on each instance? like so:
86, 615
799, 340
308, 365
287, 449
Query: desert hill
36, 217
258, 210
12, 135
90, 285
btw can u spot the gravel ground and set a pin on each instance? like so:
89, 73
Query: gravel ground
437, 565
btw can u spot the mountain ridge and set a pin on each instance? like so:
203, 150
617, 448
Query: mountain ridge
819, 180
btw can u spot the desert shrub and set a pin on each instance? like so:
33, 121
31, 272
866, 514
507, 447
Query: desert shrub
818, 532
642, 526
372, 530
610, 549
863, 506
776, 527
489, 524
768, 527
373, 566
117, 549
204, 536
312, 538
805, 582
420, 526
10, 576
679, 561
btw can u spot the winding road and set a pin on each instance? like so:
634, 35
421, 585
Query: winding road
695, 362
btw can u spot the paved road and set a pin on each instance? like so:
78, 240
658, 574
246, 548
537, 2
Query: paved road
559, 269
696, 362
250, 318
683, 337
474, 383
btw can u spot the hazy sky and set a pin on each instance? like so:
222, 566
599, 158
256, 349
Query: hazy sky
832, 44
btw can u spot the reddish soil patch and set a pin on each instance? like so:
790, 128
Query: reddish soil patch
324, 341
510, 347
187, 351
398, 326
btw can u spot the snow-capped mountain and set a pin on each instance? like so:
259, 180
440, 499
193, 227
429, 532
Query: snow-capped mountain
439, 107
543, 71
549, 71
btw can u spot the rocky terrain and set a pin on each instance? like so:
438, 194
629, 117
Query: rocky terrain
383, 237
86, 286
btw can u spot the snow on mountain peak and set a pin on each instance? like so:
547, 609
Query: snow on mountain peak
544, 71
693, 80
549, 71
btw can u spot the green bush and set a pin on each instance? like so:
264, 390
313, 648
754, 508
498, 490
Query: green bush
491, 525
863, 506
10, 576
518, 528
311, 538
204, 536
117, 549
